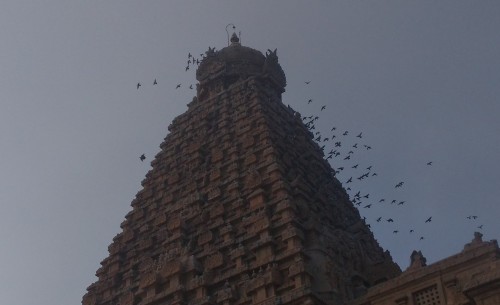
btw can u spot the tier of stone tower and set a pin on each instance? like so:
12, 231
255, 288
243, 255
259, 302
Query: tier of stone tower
240, 206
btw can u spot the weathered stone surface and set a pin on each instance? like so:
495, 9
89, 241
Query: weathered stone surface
471, 277
233, 213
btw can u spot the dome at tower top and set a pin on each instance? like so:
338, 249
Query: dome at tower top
239, 61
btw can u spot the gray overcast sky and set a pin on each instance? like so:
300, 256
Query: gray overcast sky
420, 79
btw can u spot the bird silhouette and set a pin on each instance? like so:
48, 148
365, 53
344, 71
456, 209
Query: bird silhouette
421, 238
308, 82
368, 206
369, 167
395, 231
429, 163
349, 181
379, 219
309, 101
381, 200
390, 220
429, 219
359, 135
411, 231
191, 86
480, 227
178, 86
142, 157
345, 133
355, 166
155, 82
355, 145
138, 85
323, 108
400, 184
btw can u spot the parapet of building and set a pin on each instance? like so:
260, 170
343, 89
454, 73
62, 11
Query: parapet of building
471, 277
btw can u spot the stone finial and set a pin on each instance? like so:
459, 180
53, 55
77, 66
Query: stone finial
478, 237
234, 39
476, 241
417, 260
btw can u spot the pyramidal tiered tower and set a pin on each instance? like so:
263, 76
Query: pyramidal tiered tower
240, 206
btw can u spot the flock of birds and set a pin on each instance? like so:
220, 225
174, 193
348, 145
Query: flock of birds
191, 61
341, 154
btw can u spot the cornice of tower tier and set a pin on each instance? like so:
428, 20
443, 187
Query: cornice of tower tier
239, 62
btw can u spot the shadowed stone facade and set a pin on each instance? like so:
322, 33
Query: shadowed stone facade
471, 277
240, 206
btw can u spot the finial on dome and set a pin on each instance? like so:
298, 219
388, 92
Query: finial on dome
235, 40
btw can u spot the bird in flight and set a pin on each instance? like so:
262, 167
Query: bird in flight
155, 83
395, 231
472, 217
390, 220
368, 206
349, 181
309, 101
480, 227
421, 238
411, 231
345, 133
429, 219
400, 184
323, 108
379, 219
359, 135
178, 86
142, 157
191, 86
307, 83
429, 163
138, 85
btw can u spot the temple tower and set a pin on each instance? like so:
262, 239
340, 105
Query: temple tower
240, 206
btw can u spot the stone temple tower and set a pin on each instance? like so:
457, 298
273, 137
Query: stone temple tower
240, 207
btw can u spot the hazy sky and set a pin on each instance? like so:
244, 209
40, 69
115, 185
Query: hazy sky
419, 79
